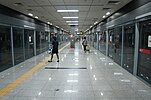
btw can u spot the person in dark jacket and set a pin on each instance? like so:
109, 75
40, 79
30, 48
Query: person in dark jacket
84, 43
54, 49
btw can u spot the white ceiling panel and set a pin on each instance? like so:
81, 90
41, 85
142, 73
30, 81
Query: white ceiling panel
100, 2
60, 7
43, 2
57, 2
95, 8
72, 7
84, 8
64, 14
85, 2
71, 2
50, 9
73, 14
83, 14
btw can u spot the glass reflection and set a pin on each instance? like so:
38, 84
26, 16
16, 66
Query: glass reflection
128, 47
29, 43
144, 66
115, 44
102, 42
18, 45
38, 51
5, 48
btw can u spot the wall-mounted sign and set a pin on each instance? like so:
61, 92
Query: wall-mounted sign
110, 38
149, 41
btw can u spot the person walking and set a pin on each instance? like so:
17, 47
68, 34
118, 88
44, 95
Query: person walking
84, 43
54, 48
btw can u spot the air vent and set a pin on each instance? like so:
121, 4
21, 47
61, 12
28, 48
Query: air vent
113, 2
106, 8
94, 19
29, 9
18, 4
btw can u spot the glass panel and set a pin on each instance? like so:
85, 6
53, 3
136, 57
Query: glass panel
18, 45
115, 44
102, 42
144, 65
29, 43
44, 42
128, 48
5, 48
95, 40
111, 42
37, 42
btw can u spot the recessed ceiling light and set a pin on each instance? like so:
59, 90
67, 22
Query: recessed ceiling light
95, 22
48, 22
76, 29
57, 26
103, 16
71, 21
36, 17
70, 17
90, 26
30, 14
108, 13
67, 10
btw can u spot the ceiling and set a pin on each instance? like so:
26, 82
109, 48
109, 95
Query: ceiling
90, 11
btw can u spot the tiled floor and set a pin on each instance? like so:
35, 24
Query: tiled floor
98, 79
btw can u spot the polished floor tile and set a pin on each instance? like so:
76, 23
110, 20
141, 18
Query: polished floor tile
100, 79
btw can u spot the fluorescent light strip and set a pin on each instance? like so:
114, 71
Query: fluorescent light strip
72, 24
70, 91
72, 81
72, 21
67, 10
74, 74
70, 17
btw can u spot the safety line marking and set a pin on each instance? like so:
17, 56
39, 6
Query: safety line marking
5, 90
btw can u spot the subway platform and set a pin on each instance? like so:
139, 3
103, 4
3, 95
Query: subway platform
78, 76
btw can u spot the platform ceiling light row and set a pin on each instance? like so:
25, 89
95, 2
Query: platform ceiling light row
30, 14
49, 23
73, 17
108, 13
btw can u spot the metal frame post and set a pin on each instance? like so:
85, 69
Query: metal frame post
107, 42
12, 46
136, 49
35, 42
122, 52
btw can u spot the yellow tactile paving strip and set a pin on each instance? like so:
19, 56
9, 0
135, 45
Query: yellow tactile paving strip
5, 90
